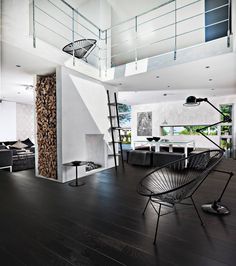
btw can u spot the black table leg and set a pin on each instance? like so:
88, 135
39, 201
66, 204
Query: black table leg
76, 183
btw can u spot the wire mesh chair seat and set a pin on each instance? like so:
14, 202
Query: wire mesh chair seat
80, 48
177, 181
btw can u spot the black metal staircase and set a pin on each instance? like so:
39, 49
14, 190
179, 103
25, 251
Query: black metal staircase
115, 128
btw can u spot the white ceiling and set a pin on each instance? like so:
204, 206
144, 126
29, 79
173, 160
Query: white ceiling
15, 79
179, 80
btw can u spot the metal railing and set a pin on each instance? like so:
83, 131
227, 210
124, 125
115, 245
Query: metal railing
131, 40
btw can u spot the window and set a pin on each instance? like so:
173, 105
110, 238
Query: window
187, 130
216, 19
226, 109
125, 122
226, 130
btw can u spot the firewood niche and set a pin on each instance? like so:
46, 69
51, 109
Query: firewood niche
46, 116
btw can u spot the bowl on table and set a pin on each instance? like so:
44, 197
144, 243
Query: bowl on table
150, 139
156, 139
76, 163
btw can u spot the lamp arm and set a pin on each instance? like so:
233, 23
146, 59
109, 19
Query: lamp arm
212, 125
201, 129
226, 118
211, 140
230, 176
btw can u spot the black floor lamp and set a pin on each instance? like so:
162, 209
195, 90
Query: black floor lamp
215, 207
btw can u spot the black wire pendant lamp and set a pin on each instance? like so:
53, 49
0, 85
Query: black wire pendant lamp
81, 49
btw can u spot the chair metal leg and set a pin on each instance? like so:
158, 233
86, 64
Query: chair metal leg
158, 218
197, 211
146, 206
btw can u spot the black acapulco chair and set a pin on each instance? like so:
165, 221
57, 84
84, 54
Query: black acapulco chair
177, 181
82, 48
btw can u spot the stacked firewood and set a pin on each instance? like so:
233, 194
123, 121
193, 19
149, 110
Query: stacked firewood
46, 126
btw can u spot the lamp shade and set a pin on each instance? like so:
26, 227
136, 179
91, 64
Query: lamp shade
191, 101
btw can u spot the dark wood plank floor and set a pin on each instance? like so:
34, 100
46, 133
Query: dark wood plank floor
47, 223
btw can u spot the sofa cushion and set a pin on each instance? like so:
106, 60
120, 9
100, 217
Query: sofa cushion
137, 157
19, 145
28, 142
3, 147
163, 158
7, 143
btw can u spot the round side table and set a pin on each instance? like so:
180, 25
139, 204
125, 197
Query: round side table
76, 164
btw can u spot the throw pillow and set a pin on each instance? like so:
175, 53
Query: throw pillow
28, 142
19, 145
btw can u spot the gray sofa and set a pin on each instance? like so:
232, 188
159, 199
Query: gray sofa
137, 157
16, 160
6, 159
161, 158
154, 159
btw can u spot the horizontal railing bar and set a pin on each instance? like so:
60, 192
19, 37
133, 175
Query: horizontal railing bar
76, 11
52, 30
161, 28
169, 12
179, 8
65, 26
215, 23
172, 37
139, 47
140, 34
59, 35
218, 7
73, 18
146, 12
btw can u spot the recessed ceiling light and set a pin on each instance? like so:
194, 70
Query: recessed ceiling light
157, 77
18, 65
212, 89
120, 84
210, 79
168, 86
164, 94
207, 66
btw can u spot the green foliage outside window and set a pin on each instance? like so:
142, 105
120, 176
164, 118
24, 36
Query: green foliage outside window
226, 109
187, 130
226, 144
226, 130
125, 121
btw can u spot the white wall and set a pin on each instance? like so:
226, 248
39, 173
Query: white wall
7, 121
176, 114
82, 118
17, 121
25, 122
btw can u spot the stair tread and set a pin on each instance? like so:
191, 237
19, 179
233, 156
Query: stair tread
121, 128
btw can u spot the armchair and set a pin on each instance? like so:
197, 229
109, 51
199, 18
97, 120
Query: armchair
177, 181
